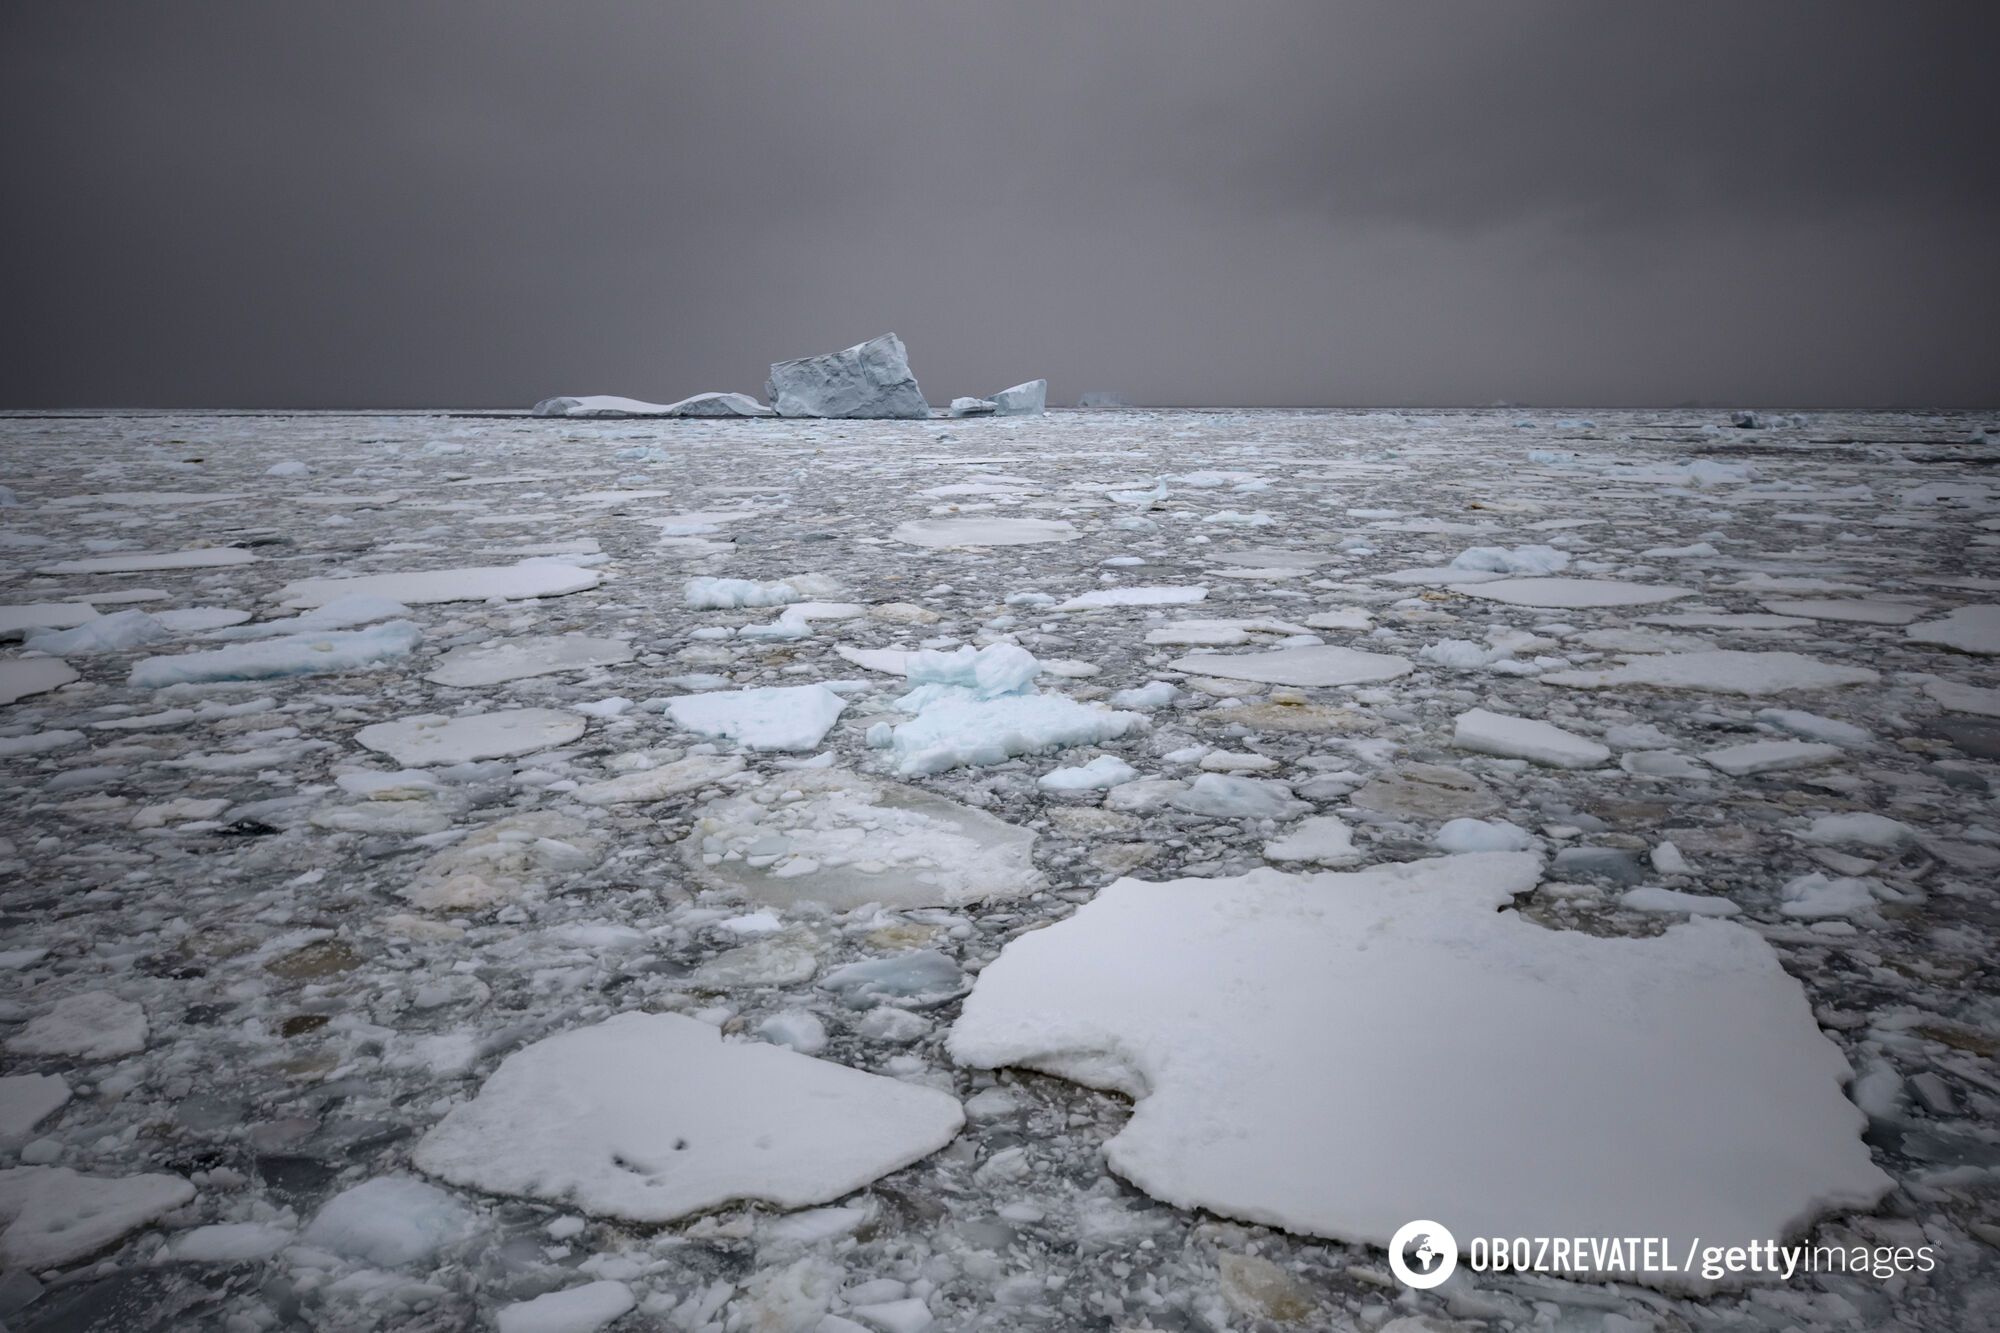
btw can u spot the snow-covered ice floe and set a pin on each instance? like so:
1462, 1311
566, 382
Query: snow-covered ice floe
653, 1117
288, 655
1384, 1044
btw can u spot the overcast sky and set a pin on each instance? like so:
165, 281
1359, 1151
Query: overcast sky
467, 204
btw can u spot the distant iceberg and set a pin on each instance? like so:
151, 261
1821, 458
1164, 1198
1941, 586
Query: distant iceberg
609, 405
1102, 398
870, 379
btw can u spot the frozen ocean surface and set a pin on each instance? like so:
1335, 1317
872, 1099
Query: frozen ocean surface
420, 744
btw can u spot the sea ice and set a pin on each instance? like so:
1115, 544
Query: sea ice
389, 1221
1725, 672
17, 620
206, 557
780, 717
1576, 593
870, 379
1519, 560
1322, 839
653, 1117
1857, 610
121, 631
90, 1025
951, 733
1222, 796
1676, 1086
1525, 738
579, 1309
657, 784
1482, 835
1308, 666
28, 1099
23, 676
1098, 598
290, 655
1769, 756
1969, 629
713, 594
420, 742
54, 1215
1100, 774
842, 840
483, 583
984, 531
1961, 698
516, 659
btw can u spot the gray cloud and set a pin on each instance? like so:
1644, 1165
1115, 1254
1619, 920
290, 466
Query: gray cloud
393, 204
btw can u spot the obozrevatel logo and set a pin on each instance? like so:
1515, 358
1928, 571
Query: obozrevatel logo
1422, 1254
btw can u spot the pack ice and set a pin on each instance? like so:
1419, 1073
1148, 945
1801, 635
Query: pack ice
1336, 1054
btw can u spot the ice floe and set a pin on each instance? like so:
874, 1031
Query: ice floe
654, 1117
842, 840
480, 664
1308, 666
1576, 594
421, 742
777, 717
289, 655
1692, 1096
530, 578
1723, 671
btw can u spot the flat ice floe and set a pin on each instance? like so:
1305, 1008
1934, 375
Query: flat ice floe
1724, 671
17, 620
777, 717
1314, 665
420, 742
842, 840
1964, 698
1857, 610
23, 676
1525, 738
653, 1117
1576, 594
206, 557
289, 655
984, 531
518, 659
1770, 756
1099, 598
54, 1215
1969, 629
480, 583
1546, 1082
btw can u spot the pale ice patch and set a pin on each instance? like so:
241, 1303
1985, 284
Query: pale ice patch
340, 613
1576, 593
290, 655
1100, 774
580, 1309
657, 784
715, 594
520, 658
842, 840
23, 676
1722, 671
653, 1117
1858, 610
1313, 665
1323, 839
1969, 629
481, 583
28, 1099
390, 1221
783, 717
1653, 898
1769, 756
420, 742
206, 557
19, 619
951, 733
1546, 1082
1099, 598
1517, 560
984, 531
90, 1025
1962, 698
55, 1216
1525, 738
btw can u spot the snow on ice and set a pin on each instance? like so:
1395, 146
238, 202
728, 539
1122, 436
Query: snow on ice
653, 1117
1693, 1097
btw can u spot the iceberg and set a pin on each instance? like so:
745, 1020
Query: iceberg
1023, 400
610, 405
870, 379
973, 407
